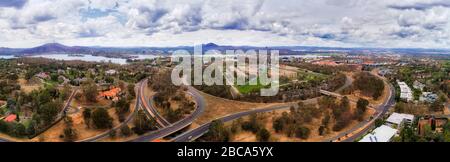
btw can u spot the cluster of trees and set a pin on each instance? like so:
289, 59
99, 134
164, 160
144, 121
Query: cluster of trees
14, 129
99, 118
44, 104
8, 79
328, 70
218, 132
408, 134
222, 91
341, 112
6, 88
143, 124
294, 123
168, 93
122, 108
369, 84
90, 91
419, 109
69, 133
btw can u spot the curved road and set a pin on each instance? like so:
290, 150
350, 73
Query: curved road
163, 132
366, 126
150, 110
363, 127
198, 132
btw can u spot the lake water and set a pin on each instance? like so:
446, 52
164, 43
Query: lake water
91, 58
6, 57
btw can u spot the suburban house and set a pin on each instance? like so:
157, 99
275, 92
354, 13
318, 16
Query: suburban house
61, 71
112, 94
435, 124
428, 97
384, 72
405, 91
111, 72
80, 80
418, 85
398, 119
383, 133
64, 79
43, 75
10, 118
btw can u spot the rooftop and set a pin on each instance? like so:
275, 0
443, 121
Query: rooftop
111, 93
11, 118
381, 134
397, 118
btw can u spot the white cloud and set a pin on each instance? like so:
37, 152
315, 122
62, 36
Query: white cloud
382, 23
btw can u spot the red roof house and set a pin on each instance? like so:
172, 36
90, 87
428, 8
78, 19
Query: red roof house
11, 118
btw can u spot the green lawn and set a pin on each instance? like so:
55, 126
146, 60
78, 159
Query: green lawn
311, 76
245, 89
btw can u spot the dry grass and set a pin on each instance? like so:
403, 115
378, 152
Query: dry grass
53, 134
267, 118
218, 107
28, 87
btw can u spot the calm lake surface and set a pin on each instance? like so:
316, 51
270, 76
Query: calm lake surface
6, 57
91, 58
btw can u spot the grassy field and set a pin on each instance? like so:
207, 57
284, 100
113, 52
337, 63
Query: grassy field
310, 76
247, 88
302, 75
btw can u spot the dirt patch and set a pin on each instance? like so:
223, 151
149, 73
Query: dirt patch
27, 87
218, 107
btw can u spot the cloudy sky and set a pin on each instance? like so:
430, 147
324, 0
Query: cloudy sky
336, 23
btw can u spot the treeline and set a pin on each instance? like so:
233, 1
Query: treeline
219, 132
294, 123
327, 70
341, 112
408, 134
8, 79
368, 84
332, 114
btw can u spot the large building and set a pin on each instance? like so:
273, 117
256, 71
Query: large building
381, 134
428, 97
398, 119
405, 91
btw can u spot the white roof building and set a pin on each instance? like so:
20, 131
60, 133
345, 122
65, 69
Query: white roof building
381, 134
418, 85
405, 91
111, 72
428, 97
398, 118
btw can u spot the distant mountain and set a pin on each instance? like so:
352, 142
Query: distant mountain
55, 48
5, 51
210, 45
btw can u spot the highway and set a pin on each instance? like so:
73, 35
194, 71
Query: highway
147, 105
198, 132
163, 132
366, 125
